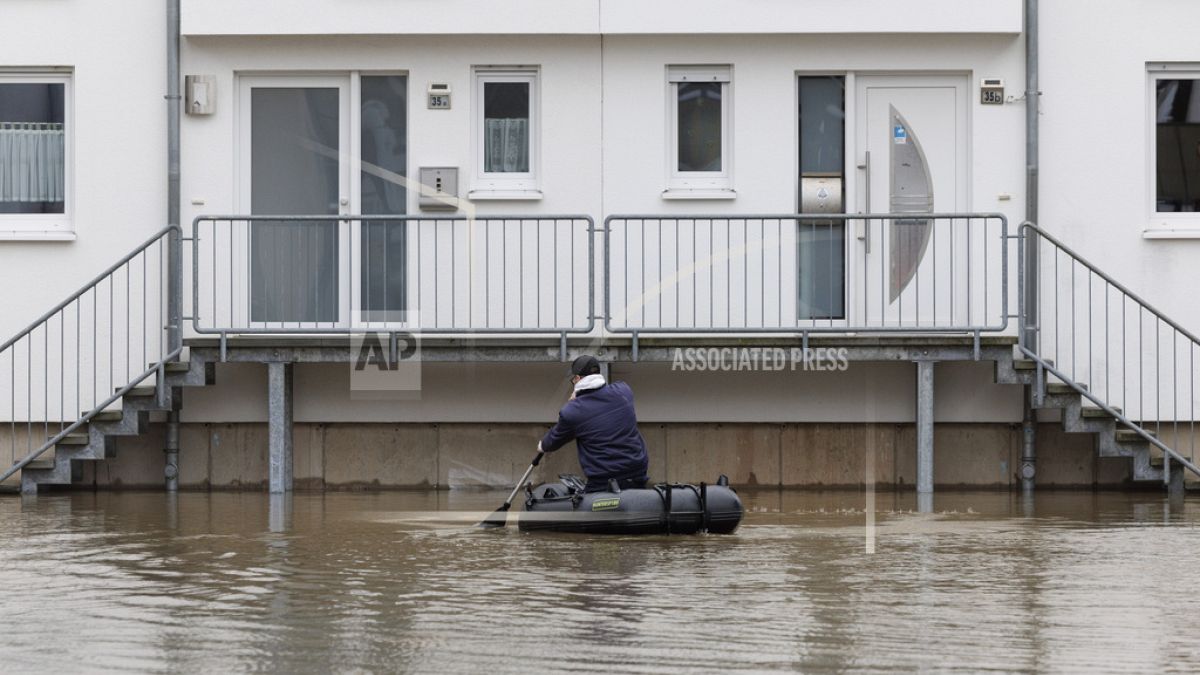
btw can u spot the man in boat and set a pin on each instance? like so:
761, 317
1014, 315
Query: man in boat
600, 418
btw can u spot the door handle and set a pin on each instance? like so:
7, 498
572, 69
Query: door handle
864, 234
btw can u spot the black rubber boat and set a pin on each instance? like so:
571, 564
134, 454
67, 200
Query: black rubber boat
663, 509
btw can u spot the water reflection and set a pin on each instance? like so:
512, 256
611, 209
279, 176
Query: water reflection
401, 581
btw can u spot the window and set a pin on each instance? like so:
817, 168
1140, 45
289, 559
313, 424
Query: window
506, 134
700, 156
1177, 145
35, 151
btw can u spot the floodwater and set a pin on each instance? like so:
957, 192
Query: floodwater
400, 581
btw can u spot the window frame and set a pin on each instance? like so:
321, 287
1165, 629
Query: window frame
505, 185
47, 226
699, 184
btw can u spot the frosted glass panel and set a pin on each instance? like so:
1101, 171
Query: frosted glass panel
294, 171
699, 126
384, 247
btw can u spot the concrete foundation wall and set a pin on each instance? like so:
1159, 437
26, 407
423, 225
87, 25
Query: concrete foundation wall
456, 455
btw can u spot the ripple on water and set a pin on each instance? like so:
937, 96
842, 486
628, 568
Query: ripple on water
1076, 581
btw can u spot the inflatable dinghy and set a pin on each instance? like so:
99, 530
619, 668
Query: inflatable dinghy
663, 509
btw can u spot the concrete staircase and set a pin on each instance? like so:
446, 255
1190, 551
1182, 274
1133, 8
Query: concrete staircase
96, 441
1113, 438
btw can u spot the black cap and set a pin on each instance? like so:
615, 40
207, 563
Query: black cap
585, 365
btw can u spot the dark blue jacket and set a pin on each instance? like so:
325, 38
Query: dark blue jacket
604, 427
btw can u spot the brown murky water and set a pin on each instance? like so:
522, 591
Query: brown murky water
401, 582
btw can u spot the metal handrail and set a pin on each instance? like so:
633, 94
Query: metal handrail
89, 285
994, 240
155, 368
207, 266
1044, 351
1100, 273
61, 328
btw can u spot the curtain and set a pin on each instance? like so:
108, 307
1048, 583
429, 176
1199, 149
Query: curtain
32, 162
506, 145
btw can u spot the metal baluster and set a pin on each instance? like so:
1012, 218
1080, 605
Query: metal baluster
712, 276
62, 374
677, 273
128, 323
642, 262
573, 275
1074, 335
46, 379
78, 365
145, 283
779, 266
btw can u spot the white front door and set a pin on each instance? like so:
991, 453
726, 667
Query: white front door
293, 158
911, 137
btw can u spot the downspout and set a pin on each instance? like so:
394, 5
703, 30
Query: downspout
174, 239
1029, 289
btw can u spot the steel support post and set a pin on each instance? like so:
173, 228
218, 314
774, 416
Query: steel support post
925, 427
279, 425
171, 448
1028, 443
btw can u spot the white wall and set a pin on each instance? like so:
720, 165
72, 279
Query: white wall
494, 392
1096, 178
459, 17
119, 65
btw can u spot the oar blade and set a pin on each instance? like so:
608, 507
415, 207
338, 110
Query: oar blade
498, 519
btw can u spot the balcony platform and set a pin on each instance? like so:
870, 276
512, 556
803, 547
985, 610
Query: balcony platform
611, 348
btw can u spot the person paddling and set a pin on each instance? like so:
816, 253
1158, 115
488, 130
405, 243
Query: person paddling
600, 418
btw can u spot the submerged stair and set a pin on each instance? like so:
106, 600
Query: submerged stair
96, 441
1113, 438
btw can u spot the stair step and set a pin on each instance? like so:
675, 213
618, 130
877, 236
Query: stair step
1027, 364
141, 392
1157, 462
106, 415
1063, 388
1092, 411
174, 366
42, 464
1131, 436
74, 439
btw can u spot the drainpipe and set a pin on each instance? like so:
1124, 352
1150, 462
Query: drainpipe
1030, 337
174, 240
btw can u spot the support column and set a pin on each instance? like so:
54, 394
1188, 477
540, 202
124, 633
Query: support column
171, 448
925, 427
1175, 485
1028, 443
279, 426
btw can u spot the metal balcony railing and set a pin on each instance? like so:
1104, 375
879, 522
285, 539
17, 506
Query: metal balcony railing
433, 274
927, 273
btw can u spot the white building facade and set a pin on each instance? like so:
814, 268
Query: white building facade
708, 121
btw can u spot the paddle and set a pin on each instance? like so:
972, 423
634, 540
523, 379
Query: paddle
500, 517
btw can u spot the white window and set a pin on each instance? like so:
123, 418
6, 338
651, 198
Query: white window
506, 132
35, 156
1175, 151
700, 154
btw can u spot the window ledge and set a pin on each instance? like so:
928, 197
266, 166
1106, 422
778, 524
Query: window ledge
33, 235
1188, 232
679, 193
504, 195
